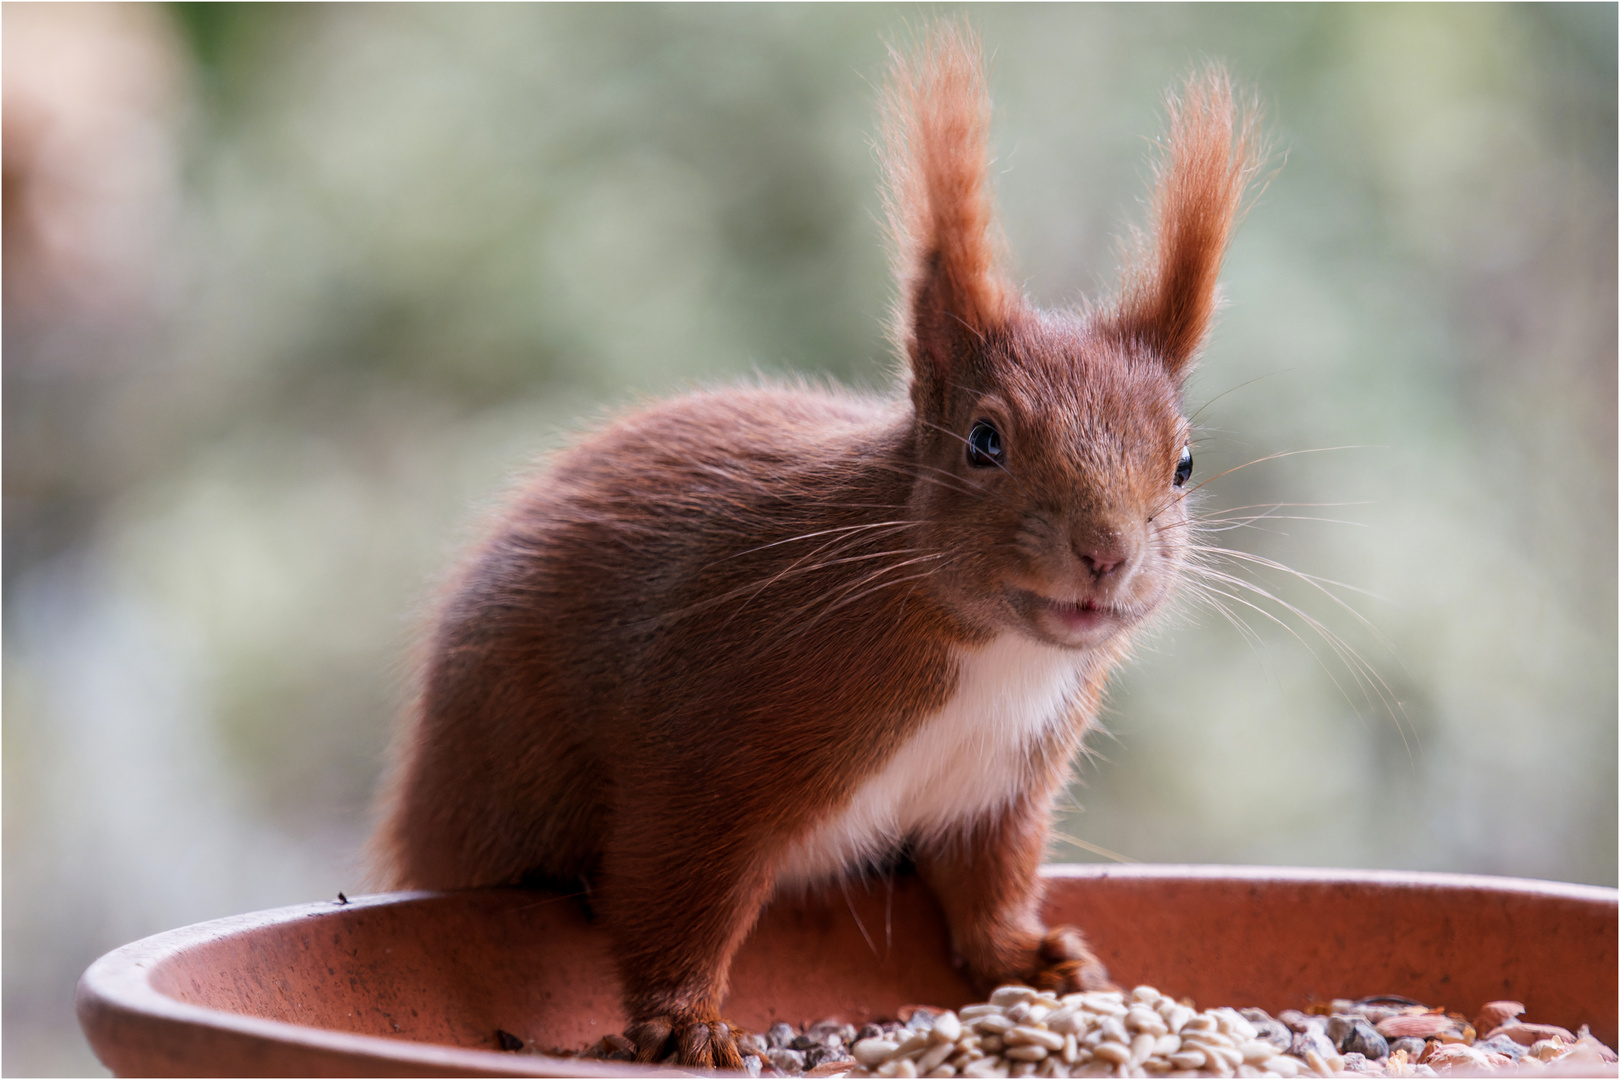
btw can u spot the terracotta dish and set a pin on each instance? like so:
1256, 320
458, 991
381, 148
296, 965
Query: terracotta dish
414, 984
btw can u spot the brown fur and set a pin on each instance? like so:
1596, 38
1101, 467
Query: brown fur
705, 627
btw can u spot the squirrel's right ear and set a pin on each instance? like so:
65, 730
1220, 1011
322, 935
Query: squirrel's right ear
936, 153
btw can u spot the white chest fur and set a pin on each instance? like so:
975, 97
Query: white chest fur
963, 761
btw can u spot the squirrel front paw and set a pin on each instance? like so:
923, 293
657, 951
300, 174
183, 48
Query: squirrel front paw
698, 1040
1067, 964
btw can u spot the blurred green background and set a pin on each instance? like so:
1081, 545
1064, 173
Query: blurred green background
291, 293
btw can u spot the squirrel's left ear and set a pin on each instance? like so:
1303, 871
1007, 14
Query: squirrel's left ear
1168, 296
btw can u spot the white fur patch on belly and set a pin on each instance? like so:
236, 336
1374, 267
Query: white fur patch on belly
966, 759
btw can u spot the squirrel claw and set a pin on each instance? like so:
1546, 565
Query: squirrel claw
1068, 965
698, 1041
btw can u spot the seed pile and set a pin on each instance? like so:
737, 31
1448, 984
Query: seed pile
1024, 1032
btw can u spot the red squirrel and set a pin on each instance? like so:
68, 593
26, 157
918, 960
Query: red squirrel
757, 639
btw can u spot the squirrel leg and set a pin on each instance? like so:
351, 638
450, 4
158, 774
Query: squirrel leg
987, 882
677, 909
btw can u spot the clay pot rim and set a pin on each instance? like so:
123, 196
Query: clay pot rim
120, 981
1409, 879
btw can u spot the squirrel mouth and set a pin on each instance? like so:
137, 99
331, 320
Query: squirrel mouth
1084, 617
1082, 614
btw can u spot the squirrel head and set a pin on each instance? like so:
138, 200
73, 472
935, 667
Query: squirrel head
1053, 454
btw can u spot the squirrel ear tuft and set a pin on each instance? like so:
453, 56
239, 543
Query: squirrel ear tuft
1168, 298
943, 240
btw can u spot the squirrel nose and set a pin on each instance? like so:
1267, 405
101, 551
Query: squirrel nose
1103, 556
1102, 563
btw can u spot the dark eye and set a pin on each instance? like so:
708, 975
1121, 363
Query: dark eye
984, 449
1184, 466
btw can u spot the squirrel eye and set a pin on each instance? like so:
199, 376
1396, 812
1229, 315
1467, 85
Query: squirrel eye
984, 449
1184, 466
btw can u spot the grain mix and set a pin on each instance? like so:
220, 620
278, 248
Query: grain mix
1022, 1032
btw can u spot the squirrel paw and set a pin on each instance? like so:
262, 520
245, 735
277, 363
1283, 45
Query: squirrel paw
1068, 965
699, 1041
